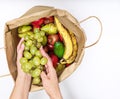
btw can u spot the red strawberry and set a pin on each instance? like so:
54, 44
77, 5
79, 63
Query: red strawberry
36, 26
38, 22
41, 21
35, 23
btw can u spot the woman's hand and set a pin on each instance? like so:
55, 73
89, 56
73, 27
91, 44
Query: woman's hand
21, 74
23, 80
49, 79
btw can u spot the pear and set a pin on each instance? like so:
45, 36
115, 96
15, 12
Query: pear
49, 29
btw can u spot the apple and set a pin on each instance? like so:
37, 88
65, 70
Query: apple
46, 49
52, 39
49, 20
54, 59
50, 47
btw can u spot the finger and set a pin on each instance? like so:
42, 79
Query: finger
44, 53
43, 76
19, 45
20, 51
50, 69
49, 63
46, 68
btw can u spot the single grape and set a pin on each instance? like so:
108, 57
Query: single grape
38, 45
24, 28
31, 62
23, 60
24, 42
26, 37
29, 33
27, 55
42, 33
32, 36
30, 71
60, 67
36, 30
36, 72
33, 50
34, 42
44, 42
36, 80
40, 39
21, 35
36, 60
20, 29
27, 48
37, 36
41, 67
28, 43
38, 53
26, 67
43, 61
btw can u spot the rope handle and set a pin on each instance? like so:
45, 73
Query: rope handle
1, 48
100, 33
5, 75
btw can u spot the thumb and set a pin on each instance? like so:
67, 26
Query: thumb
20, 51
19, 44
43, 52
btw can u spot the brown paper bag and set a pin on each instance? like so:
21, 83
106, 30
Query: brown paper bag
11, 38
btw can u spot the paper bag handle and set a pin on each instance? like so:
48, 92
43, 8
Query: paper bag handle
1, 76
100, 33
5, 75
2, 48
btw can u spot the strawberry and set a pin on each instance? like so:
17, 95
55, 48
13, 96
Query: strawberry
38, 22
41, 21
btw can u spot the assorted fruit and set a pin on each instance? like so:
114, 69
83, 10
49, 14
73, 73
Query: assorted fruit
57, 41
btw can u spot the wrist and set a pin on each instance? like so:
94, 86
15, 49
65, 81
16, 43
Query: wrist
24, 77
23, 80
56, 96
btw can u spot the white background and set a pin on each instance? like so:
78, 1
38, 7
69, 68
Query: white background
98, 76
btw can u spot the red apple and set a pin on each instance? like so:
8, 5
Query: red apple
50, 47
46, 48
52, 39
54, 59
49, 20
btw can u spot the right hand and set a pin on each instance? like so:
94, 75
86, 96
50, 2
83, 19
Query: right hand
49, 79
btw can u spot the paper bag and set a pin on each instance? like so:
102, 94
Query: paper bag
37, 12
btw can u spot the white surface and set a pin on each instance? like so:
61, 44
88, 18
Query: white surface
98, 76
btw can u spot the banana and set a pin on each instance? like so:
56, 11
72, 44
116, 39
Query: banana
75, 48
67, 39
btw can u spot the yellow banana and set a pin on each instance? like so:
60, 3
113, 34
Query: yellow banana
67, 39
75, 48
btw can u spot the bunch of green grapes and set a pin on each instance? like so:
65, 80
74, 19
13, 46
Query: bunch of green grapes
32, 61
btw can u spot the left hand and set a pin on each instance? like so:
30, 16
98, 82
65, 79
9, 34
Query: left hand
20, 49
23, 80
